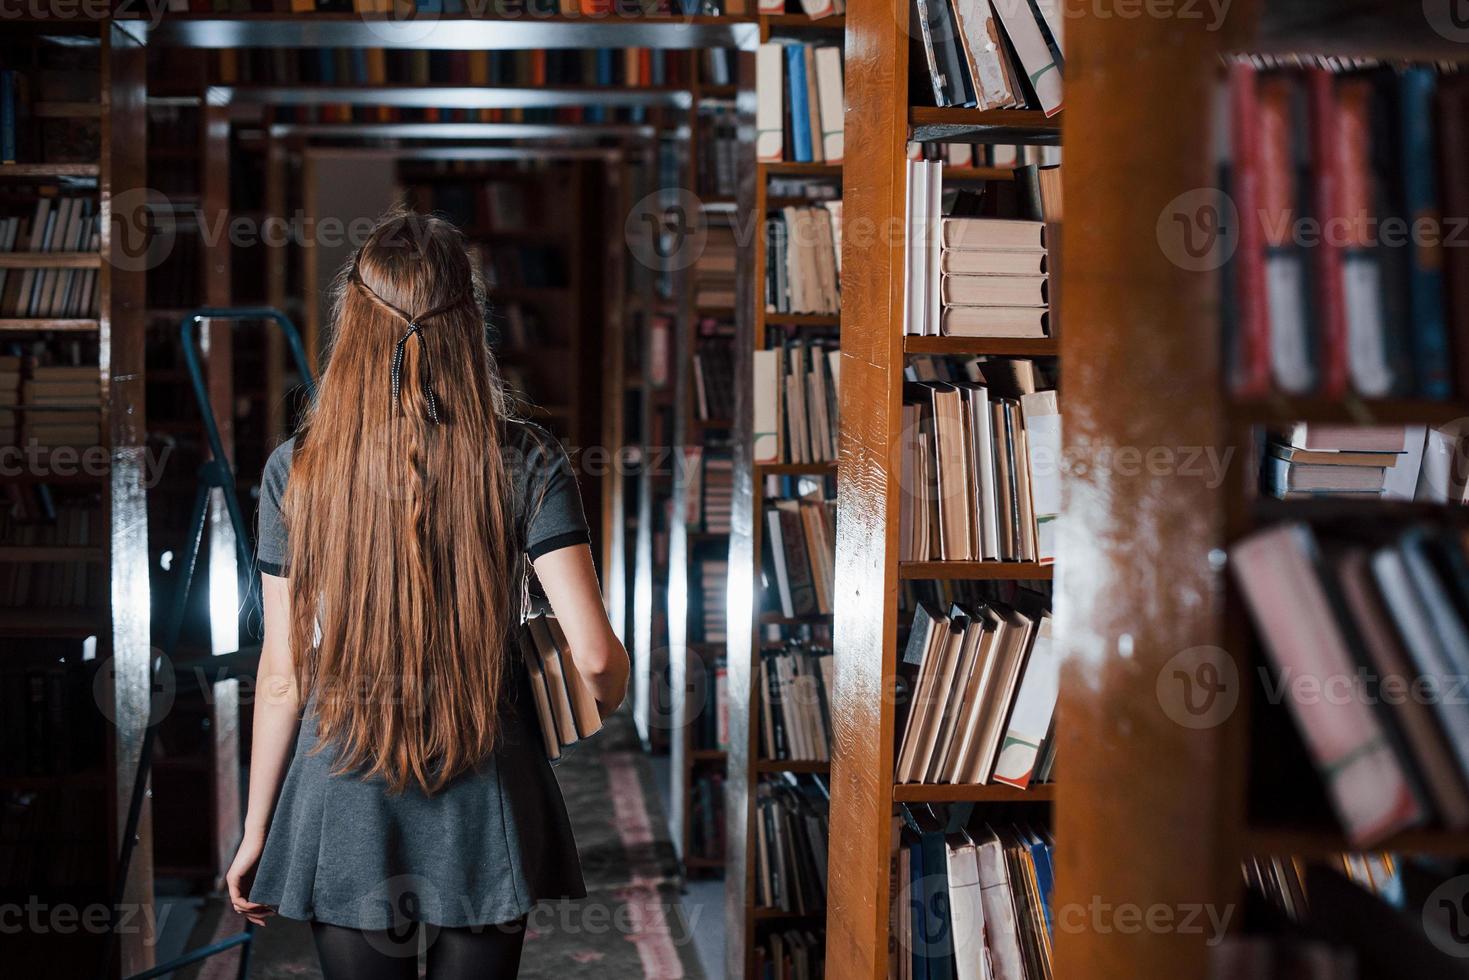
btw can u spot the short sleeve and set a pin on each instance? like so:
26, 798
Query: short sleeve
554, 518
272, 547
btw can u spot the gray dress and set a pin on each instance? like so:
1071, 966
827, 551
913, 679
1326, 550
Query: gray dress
486, 848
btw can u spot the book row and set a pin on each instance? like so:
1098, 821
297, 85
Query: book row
803, 259
50, 722
800, 554
796, 402
56, 579
601, 67
710, 619
980, 465
973, 900
791, 844
714, 371
971, 275
58, 224
711, 727
1368, 642
799, 100
1362, 462
1350, 271
36, 119
714, 268
983, 695
1000, 55
706, 816
711, 489
791, 954
795, 708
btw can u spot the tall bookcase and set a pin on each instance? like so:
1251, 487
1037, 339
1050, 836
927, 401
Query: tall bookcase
87, 807
881, 119
746, 616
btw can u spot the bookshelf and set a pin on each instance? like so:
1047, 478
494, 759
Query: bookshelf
881, 119
69, 821
746, 921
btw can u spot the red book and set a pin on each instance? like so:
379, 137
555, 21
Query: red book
1252, 378
1326, 257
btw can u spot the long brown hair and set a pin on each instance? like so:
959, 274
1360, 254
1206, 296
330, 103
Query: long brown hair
401, 537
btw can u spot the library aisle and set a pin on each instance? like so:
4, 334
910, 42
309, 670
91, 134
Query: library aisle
1021, 448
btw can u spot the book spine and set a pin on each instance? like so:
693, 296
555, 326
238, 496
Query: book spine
1331, 315
800, 111
7, 116
1252, 316
1420, 197
1454, 163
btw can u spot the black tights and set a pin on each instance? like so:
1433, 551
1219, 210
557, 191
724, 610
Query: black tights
474, 953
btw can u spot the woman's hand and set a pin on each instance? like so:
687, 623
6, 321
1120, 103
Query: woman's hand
241, 876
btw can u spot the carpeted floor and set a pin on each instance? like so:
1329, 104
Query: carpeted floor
631, 923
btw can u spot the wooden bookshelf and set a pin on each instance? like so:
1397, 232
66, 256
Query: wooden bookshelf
93, 799
870, 573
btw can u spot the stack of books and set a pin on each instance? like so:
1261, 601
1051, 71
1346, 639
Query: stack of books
803, 259
799, 99
1377, 154
796, 402
714, 269
565, 707
716, 486
1308, 461
718, 161
713, 583
984, 695
795, 709
1371, 621
980, 465
973, 901
792, 954
791, 843
800, 535
993, 55
53, 584
61, 224
969, 275
61, 406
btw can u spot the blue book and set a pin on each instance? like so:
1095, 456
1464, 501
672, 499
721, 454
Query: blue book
604, 66
7, 116
359, 65
938, 941
800, 111
916, 904
1045, 875
1430, 335
327, 64
659, 64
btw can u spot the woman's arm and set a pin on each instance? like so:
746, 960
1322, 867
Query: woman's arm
277, 717
570, 581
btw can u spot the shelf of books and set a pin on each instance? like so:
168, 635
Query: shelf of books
1311, 503
703, 368
73, 544
948, 496
780, 589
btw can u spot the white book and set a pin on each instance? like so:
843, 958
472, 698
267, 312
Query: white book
1367, 362
1043, 444
1290, 350
934, 304
1031, 717
1436, 473
766, 435
915, 294
986, 503
770, 102
981, 679
942, 697
966, 908
1001, 928
1401, 479
1032, 52
777, 548
832, 99
980, 36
